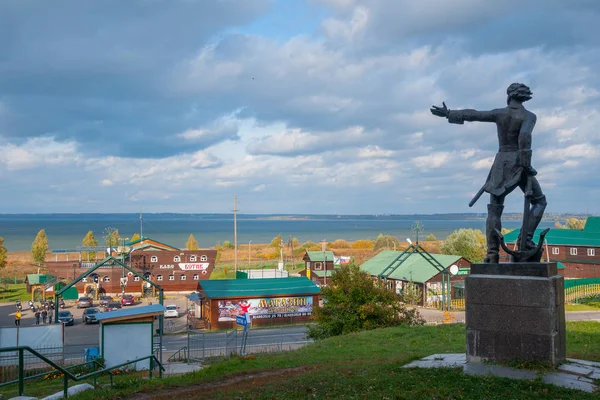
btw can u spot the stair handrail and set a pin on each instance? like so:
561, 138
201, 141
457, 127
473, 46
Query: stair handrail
67, 374
178, 353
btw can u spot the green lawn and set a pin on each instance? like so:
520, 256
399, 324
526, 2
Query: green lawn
361, 365
14, 293
580, 307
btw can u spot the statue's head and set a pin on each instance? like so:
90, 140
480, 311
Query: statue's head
518, 92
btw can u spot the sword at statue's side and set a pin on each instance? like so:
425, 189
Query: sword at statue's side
477, 196
481, 191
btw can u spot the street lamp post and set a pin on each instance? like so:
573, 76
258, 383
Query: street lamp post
249, 262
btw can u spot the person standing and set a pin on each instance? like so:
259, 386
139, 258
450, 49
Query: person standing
44, 316
37, 317
18, 318
50, 317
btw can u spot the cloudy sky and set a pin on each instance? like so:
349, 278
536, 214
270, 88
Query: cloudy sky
317, 106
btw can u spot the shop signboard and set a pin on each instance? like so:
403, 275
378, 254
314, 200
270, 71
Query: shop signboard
194, 266
266, 308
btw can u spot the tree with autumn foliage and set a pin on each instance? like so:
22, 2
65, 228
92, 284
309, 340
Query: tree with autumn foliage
191, 243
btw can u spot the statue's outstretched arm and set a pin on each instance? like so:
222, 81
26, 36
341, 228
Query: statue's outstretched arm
460, 116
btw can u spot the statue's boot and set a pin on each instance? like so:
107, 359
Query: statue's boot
536, 213
492, 223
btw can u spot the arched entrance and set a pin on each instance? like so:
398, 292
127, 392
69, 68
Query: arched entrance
147, 288
91, 291
38, 294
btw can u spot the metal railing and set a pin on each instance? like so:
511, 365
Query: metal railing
205, 345
68, 375
179, 355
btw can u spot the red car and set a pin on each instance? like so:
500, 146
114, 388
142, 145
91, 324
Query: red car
128, 300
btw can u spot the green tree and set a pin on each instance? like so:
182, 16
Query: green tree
506, 231
383, 242
430, 238
276, 242
3, 260
135, 237
89, 240
467, 243
39, 247
412, 293
191, 243
227, 245
352, 302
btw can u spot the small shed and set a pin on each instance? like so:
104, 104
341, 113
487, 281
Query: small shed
36, 283
128, 334
319, 266
267, 301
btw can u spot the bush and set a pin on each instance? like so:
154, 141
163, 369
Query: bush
228, 245
340, 244
311, 246
467, 243
386, 242
363, 244
353, 302
430, 238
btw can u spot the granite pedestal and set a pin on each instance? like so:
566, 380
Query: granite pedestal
515, 312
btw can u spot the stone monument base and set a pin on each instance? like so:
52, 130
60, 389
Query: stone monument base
515, 312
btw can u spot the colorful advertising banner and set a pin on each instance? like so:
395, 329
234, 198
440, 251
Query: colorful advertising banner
266, 308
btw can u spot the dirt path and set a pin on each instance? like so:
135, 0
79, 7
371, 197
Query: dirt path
200, 390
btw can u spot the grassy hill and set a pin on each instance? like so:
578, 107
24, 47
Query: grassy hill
361, 365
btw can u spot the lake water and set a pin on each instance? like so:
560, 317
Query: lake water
67, 231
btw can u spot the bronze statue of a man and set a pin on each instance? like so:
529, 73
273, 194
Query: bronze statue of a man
512, 165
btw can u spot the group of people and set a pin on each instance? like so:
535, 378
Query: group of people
43, 313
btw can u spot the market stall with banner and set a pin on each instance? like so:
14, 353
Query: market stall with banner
266, 301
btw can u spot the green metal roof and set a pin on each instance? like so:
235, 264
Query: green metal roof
320, 255
218, 289
39, 279
560, 265
572, 237
592, 225
415, 268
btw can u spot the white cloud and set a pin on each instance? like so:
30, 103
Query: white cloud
106, 182
374, 152
38, 152
434, 160
484, 163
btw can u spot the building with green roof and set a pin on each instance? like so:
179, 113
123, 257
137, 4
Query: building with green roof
267, 301
577, 250
320, 266
418, 270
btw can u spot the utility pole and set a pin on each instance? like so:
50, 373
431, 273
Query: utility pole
141, 228
281, 264
249, 262
235, 210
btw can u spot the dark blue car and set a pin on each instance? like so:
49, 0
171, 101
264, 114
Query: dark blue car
65, 317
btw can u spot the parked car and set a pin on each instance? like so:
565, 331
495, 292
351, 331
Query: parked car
104, 300
171, 311
113, 305
84, 302
89, 315
128, 300
66, 318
